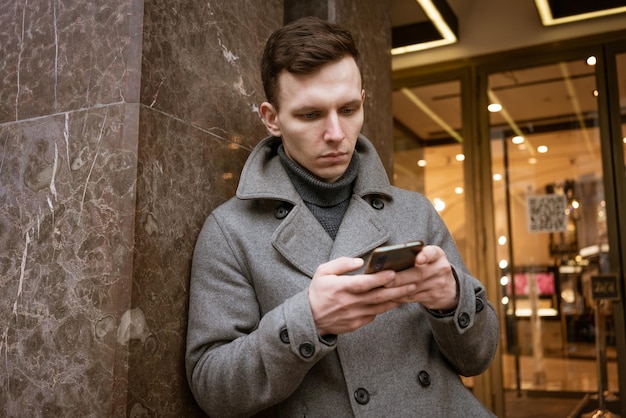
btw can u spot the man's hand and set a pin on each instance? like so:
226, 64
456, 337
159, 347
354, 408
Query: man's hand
435, 285
342, 303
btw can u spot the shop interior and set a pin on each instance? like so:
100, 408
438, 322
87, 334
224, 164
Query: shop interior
549, 204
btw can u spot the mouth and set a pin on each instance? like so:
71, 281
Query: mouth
334, 156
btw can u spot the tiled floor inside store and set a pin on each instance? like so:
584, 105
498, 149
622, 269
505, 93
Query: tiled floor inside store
539, 405
556, 386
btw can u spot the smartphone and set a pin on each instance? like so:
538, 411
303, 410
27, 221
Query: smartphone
394, 257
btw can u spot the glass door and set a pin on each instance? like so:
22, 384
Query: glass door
552, 229
428, 149
433, 119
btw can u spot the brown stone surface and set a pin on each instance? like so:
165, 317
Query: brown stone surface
122, 125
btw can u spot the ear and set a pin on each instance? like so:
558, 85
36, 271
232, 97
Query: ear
363, 95
270, 118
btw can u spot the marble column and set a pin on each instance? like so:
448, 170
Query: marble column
122, 125
69, 116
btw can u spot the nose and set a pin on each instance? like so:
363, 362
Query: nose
333, 130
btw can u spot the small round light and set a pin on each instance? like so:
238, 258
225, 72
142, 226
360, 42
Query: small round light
542, 149
494, 107
518, 139
591, 60
503, 264
458, 190
439, 204
497, 177
421, 163
502, 240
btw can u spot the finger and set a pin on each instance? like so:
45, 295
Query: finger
428, 255
366, 282
339, 266
398, 294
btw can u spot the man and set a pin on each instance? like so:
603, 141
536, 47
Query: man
281, 314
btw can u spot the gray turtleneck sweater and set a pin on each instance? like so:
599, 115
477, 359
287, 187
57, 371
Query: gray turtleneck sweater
327, 201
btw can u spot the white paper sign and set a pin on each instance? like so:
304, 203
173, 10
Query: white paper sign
547, 213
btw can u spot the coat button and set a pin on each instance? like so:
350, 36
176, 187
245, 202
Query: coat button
362, 396
479, 305
378, 204
281, 212
464, 320
307, 350
423, 378
284, 335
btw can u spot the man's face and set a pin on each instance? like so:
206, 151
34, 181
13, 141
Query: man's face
320, 117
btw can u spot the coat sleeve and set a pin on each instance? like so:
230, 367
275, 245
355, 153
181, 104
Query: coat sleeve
468, 337
239, 362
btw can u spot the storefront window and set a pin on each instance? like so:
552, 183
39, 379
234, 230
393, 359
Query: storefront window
428, 149
551, 225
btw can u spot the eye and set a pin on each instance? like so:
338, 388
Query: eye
347, 111
309, 115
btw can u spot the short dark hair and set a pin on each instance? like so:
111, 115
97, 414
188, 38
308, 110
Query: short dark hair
302, 47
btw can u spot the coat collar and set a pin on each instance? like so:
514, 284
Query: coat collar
263, 177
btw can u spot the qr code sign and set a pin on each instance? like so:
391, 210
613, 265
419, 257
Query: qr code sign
547, 213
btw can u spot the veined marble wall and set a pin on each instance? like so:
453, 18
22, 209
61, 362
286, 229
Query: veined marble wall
122, 124
69, 115
199, 120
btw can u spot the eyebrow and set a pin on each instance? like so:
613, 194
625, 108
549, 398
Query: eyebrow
309, 108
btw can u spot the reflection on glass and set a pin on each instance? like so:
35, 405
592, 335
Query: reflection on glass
428, 149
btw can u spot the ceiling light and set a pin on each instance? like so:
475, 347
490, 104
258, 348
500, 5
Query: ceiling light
518, 139
439, 204
430, 113
421, 163
591, 60
532, 160
503, 263
458, 190
548, 18
502, 239
504, 280
542, 149
595, 93
494, 107
624, 140
497, 177
459, 157
440, 16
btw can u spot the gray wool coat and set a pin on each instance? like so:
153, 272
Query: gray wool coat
252, 343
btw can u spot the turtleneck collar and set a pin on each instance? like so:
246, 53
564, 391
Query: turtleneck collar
316, 191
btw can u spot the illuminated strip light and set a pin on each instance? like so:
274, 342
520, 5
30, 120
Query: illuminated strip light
440, 24
548, 20
417, 102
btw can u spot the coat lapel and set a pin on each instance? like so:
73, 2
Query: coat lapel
304, 242
360, 232
300, 238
